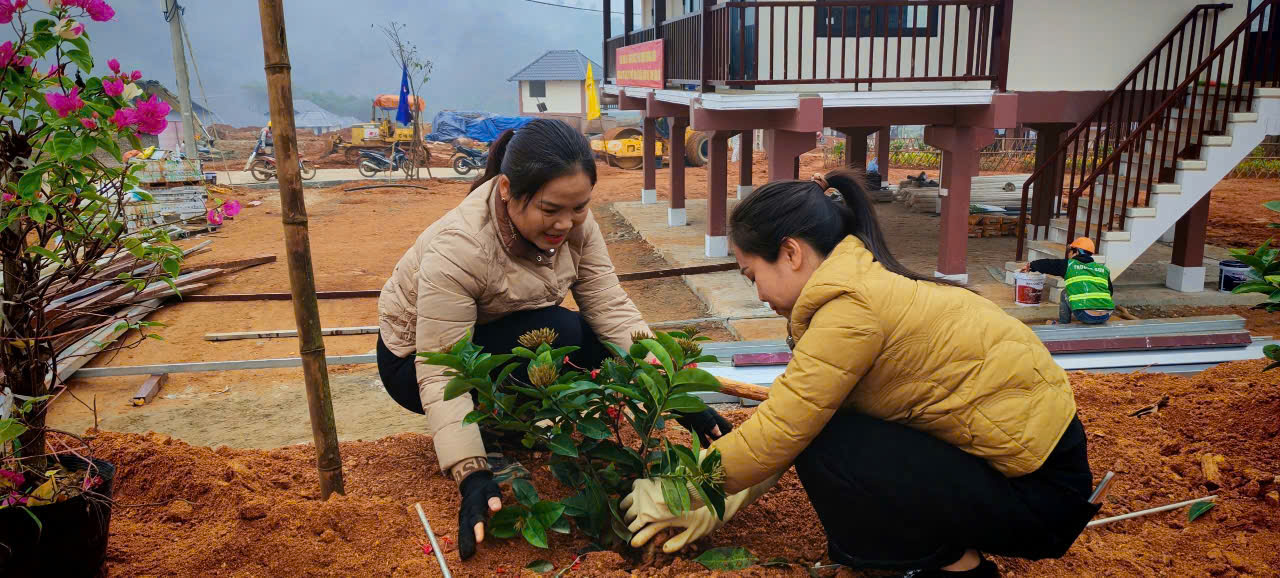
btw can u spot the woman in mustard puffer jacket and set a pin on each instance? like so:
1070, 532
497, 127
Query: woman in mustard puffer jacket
926, 425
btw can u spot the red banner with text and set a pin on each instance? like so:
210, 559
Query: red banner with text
640, 65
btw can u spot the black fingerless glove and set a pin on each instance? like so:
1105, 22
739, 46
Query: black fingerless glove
703, 422
476, 490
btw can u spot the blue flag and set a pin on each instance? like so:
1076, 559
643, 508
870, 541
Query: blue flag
402, 113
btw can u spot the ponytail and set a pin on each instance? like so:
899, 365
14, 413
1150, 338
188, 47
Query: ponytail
801, 210
542, 150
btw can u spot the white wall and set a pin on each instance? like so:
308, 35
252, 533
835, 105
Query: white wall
563, 96
1093, 44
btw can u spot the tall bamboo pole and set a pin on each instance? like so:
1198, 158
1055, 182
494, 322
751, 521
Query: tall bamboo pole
297, 242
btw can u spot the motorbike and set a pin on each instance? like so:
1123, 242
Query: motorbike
263, 168
466, 158
372, 163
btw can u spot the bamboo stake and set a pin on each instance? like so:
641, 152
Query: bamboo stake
306, 309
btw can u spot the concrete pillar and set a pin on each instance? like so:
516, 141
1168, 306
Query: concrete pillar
1048, 187
676, 216
746, 144
717, 240
784, 147
960, 146
1186, 272
882, 152
855, 146
649, 193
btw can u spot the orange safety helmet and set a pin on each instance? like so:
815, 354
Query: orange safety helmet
1084, 244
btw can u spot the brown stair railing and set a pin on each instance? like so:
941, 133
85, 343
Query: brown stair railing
1093, 139
1199, 106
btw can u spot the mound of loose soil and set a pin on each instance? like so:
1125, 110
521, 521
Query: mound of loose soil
254, 512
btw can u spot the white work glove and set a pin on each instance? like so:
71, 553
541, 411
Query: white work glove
647, 513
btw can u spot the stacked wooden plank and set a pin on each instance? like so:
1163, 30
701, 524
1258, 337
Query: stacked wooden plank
90, 313
998, 190
992, 226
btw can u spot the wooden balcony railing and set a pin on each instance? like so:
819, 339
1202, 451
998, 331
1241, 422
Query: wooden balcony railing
743, 44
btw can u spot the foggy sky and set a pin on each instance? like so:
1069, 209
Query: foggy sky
474, 44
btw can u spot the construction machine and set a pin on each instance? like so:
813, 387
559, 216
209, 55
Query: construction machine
380, 132
623, 147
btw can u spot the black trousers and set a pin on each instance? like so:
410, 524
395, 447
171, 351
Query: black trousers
499, 336
891, 497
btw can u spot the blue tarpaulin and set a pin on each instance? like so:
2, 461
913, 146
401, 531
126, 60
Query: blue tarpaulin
481, 126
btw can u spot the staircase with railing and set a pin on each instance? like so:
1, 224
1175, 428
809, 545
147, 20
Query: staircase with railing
1176, 125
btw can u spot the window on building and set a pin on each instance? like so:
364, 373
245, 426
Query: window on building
691, 6
878, 21
537, 89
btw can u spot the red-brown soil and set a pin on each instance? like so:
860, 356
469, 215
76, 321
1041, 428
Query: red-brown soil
257, 512
1236, 215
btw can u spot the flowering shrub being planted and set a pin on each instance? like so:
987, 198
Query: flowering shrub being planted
603, 427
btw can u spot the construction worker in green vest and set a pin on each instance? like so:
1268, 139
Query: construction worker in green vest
1087, 295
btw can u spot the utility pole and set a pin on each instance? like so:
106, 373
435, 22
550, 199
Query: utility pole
173, 15
297, 244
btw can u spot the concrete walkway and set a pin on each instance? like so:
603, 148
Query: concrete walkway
332, 177
913, 238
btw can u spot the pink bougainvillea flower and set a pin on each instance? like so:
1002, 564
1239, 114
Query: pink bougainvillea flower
13, 499
69, 29
135, 75
25, 62
54, 71
19, 4
151, 113
99, 10
214, 217
15, 478
124, 117
6, 53
89, 123
7, 197
112, 87
231, 208
65, 104
114, 65
6, 11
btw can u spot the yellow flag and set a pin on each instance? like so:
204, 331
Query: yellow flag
593, 98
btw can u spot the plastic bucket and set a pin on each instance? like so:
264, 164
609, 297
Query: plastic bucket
1231, 274
1028, 288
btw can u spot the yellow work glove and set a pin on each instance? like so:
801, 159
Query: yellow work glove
647, 513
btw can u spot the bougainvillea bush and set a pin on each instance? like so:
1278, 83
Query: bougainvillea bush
603, 427
62, 221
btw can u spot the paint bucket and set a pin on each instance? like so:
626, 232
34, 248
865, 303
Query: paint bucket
1028, 288
1231, 274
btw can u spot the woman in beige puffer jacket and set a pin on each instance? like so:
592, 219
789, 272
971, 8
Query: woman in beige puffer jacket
499, 265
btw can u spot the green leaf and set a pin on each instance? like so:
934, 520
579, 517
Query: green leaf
540, 566
660, 353
547, 512
1253, 287
525, 492
535, 533
505, 372
726, 558
47, 254
1273, 205
39, 212
474, 417
30, 181
503, 523
695, 376
445, 359
676, 494
685, 403
10, 429
81, 58
594, 428
457, 387
673, 349
1271, 366
563, 445
577, 505
776, 562
484, 368
172, 266
1198, 509
561, 526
